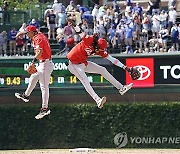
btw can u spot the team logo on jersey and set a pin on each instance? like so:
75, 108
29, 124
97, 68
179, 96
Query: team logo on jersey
88, 51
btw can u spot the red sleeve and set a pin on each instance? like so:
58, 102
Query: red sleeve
103, 54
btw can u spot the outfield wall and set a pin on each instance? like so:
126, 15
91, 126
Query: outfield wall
135, 125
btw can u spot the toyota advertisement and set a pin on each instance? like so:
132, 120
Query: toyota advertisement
167, 71
146, 68
154, 71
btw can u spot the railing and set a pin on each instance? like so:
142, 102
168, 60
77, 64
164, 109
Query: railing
13, 17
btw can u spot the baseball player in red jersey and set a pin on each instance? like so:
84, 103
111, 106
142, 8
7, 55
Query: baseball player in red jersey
43, 53
78, 65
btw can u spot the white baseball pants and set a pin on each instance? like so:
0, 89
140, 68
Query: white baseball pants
43, 74
79, 71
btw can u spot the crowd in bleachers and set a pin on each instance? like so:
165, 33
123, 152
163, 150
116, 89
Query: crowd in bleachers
128, 29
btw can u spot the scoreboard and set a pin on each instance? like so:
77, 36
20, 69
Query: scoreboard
13, 73
156, 70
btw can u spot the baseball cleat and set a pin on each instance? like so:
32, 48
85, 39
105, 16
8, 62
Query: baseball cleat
22, 97
42, 113
125, 88
101, 102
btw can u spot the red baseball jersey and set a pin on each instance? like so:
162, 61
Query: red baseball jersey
42, 42
82, 50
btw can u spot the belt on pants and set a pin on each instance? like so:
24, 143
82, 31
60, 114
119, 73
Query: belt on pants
41, 61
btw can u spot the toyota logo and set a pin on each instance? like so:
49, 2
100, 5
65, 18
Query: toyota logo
145, 72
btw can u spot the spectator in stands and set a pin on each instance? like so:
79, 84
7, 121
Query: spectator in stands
101, 21
137, 26
145, 22
57, 7
19, 45
103, 8
61, 38
95, 12
129, 3
163, 33
6, 16
116, 7
12, 41
46, 14
35, 23
115, 41
78, 17
121, 32
155, 5
128, 36
149, 9
99, 29
88, 16
154, 43
51, 24
163, 18
138, 9
110, 34
3, 43
69, 33
172, 3
143, 39
128, 10
172, 15
82, 8
24, 37
175, 36
61, 19
100, 14
71, 7
156, 24
86, 27
116, 19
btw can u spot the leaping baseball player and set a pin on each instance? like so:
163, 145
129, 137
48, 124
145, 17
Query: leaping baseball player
78, 65
43, 72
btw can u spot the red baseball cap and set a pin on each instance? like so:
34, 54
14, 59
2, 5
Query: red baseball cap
31, 28
102, 43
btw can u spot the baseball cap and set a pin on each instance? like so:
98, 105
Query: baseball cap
31, 28
33, 21
102, 43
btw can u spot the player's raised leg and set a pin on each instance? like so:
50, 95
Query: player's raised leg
78, 71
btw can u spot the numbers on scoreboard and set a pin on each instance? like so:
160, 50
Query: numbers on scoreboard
51, 80
1, 80
73, 79
101, 79
13, 81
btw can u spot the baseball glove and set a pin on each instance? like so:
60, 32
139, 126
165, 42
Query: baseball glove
134, 73
32, 69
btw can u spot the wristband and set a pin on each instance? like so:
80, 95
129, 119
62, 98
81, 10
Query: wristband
34, 60
124, 67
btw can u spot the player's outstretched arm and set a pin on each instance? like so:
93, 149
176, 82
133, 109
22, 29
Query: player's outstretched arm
116, 62
133, 72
